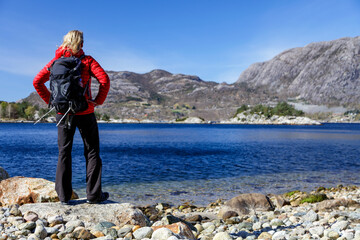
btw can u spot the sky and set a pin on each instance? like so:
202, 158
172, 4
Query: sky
215, 40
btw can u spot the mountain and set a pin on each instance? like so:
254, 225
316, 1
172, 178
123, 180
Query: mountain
319, 73
322, 73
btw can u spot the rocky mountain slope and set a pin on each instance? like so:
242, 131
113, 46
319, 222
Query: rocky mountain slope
323, 73
320, 73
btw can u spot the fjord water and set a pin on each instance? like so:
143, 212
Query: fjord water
149, 163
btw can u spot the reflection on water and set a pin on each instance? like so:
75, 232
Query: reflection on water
202, 192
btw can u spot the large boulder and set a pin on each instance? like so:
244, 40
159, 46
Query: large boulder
118, 213
3, 174
245, 204
335, 203
22, 190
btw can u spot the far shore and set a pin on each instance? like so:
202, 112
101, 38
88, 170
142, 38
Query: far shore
179, 122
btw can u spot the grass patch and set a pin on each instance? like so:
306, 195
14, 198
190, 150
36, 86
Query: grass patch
314, 198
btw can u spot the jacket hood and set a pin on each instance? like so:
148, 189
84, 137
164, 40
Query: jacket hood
66, 52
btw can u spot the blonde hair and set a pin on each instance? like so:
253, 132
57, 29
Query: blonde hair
73, 40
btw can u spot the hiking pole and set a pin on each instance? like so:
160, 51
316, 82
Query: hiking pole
44, 115
64, 116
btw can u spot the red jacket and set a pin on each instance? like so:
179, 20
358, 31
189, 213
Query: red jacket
89, 68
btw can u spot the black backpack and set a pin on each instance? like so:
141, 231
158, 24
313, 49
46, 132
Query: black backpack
67, 92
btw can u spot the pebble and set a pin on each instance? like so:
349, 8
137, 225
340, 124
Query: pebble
311, 216
55, 220
31, 216
340, 225
162, 234
144, 232
222, 236
319, 231
279, 235
40, 231
74, 224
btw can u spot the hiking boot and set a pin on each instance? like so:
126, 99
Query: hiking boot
103, 197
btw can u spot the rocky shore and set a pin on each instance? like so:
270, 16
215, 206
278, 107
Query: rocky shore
325, 213
244, 118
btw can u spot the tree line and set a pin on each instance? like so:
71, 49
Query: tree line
27, 111
281, 109
21, 110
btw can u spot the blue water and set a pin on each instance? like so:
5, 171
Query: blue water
147, 163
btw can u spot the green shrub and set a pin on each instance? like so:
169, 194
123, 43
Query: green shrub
285, 109
262, 109
181, 119
241, 109
105, 117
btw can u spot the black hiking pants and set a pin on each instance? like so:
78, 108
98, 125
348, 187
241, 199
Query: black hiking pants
88, 129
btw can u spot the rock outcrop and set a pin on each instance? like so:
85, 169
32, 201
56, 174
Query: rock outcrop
242, 118
117, 213
22, 190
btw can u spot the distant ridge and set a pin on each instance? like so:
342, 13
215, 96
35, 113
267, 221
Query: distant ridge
322, 73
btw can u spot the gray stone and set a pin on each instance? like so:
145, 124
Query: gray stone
40, 231
33, 237
14, 210
245, 225
208, 224
54, 220
340, 225
256, 226
74, 224
103, 225
51, 230
319, 231
144, 232
279, 235
311, 216
348, 235
111, 232
333, 235
222, 236
27, 225
123, 231
162, 234
276, 222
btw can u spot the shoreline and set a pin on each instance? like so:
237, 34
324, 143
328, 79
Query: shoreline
293, 215
192, 123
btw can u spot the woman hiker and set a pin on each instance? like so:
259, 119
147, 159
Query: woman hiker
85, 121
